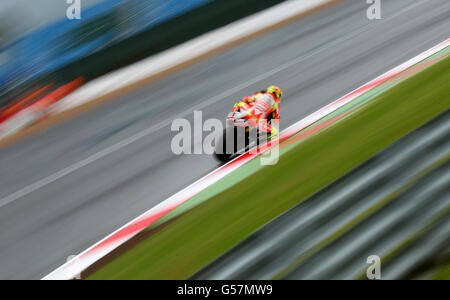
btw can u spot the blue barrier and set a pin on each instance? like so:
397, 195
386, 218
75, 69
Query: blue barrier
66, 41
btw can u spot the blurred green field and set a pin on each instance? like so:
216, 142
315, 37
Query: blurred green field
185, 245
443, 273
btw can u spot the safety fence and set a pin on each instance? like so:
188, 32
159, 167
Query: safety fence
395, 206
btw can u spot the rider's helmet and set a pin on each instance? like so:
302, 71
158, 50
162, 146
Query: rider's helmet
275, 91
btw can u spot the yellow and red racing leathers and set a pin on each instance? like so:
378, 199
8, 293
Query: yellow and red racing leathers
265, 107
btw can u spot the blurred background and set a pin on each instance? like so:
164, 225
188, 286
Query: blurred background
32, 15
62, 188
42, 50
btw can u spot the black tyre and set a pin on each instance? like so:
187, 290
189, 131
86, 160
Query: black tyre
239, 137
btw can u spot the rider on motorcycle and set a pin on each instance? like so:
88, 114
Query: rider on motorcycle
266, 106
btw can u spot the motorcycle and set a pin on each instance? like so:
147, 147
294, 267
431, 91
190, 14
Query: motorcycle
240, 134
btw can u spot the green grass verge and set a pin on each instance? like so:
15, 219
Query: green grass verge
443, 273
195, 239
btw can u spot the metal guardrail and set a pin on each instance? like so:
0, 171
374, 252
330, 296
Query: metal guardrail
396, 206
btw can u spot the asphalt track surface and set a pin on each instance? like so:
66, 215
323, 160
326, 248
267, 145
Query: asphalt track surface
322, 57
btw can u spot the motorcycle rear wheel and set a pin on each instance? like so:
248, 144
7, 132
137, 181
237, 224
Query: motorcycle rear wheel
240, 140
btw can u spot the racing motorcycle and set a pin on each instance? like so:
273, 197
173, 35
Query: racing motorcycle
241, 134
